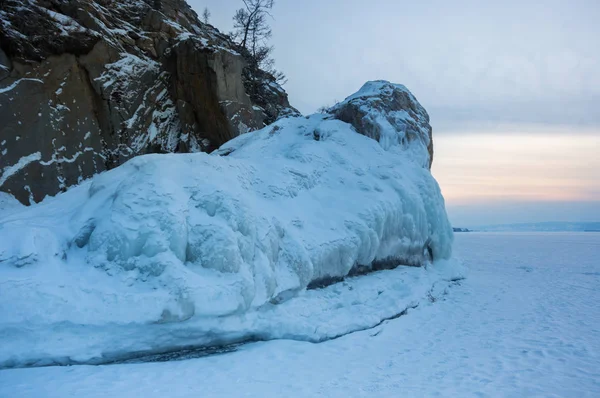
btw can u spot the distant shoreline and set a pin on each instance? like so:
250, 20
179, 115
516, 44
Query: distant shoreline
549, 226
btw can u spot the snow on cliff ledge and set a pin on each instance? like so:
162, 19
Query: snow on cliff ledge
170, 238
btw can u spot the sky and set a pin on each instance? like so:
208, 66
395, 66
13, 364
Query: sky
512, 89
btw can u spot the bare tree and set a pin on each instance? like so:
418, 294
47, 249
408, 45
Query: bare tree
252, 32
205, 15
249, 17
259, 34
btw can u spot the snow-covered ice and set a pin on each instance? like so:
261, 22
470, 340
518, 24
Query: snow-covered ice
524, 323
169, 251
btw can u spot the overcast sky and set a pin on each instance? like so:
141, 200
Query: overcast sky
490, 73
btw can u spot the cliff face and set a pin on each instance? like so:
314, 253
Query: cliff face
85, 85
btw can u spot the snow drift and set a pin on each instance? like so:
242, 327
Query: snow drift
189, 239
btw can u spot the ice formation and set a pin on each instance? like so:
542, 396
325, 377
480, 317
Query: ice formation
175, 238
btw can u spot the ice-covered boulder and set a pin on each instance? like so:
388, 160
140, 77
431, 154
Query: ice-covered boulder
167, 238
390, 114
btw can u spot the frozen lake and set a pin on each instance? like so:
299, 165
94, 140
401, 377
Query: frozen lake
525, 323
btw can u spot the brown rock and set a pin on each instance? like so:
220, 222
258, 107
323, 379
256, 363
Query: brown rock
85, 86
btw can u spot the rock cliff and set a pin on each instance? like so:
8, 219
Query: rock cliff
87, 84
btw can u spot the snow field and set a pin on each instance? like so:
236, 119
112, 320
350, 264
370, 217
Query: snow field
524, 323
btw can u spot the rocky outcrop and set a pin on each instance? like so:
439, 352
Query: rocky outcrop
390, 114
87, 84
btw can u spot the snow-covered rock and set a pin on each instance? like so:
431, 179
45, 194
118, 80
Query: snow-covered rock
89, 84
390, 114
176, 238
